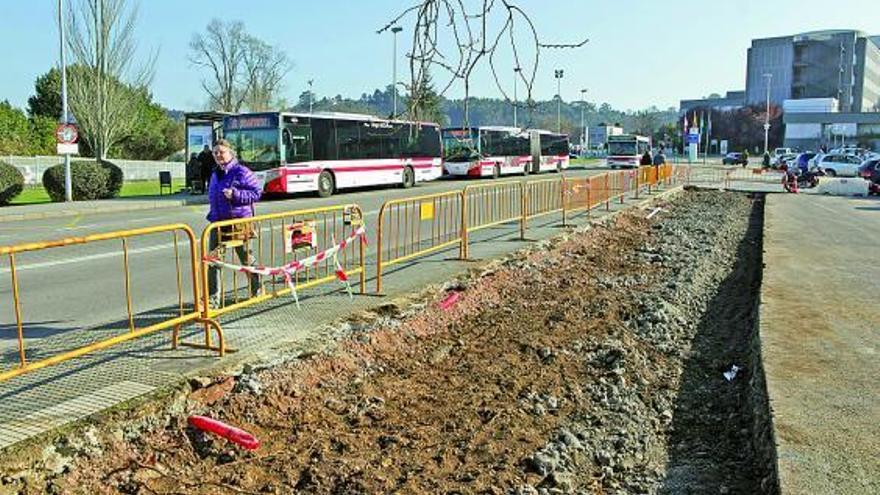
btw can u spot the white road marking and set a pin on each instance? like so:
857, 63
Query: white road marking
101, 256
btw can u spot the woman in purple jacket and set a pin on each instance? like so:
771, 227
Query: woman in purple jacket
232, 192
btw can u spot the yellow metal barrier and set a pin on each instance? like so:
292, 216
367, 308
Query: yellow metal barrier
599, 192
576, 196
618, 185
413, 227
488, 205
273, 241
188, 310
542, 197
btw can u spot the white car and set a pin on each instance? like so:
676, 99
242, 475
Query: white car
779, 152
840, 165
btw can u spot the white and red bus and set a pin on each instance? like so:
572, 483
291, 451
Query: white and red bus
553, 149
626, 150
295, 152
485, 151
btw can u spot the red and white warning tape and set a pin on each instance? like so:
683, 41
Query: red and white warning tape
287, 271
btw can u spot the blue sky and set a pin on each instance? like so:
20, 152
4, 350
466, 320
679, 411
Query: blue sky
641, 52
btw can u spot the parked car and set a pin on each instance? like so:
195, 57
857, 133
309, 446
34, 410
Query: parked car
814, 162
733, 159
778, 152
870, 169
840, 165
789, 159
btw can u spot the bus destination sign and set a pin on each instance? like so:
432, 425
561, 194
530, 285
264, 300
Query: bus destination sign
264, 121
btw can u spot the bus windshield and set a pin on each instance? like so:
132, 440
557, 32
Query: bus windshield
255, 146
460, 144
627, 148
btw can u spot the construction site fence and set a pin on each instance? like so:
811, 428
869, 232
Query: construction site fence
327, 242
725, 176
47, 352
239, 263
410, 228
250, 260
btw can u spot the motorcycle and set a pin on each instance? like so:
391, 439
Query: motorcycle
810, 178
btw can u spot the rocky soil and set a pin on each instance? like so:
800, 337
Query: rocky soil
590, 364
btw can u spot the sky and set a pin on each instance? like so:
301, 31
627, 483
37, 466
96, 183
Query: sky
641, 53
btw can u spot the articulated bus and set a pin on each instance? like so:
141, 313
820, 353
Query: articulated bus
553, 149
626, 150
485, 151
295, 152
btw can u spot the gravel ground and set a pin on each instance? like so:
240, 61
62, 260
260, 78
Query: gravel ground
590, 364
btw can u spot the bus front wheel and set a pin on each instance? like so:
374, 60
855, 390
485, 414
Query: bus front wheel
409, 178
326, 184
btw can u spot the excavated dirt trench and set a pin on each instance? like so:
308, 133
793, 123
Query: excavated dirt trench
591, 364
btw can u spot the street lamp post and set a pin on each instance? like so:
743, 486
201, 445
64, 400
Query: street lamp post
395, 30
769, 77
516, 71
311, 95
583, 121
559, 73
68, 186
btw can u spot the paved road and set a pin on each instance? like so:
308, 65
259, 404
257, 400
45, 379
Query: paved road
819, 333
84, 285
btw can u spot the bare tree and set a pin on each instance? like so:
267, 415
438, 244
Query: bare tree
456, 41
647, 121
244, 71
265, 67
221, 50
105, 80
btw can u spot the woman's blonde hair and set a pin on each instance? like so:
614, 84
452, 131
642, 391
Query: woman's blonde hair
226, 144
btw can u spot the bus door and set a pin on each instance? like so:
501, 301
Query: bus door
297, 142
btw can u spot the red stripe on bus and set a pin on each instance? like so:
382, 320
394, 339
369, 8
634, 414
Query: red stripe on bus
363, 168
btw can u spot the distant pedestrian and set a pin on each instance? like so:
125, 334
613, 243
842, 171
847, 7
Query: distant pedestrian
193, 165
206, 166
232, 193
745, 161
766, 160
660, 157
803, 162
646, 158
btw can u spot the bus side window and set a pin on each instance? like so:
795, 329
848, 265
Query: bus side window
297, 140
348, 139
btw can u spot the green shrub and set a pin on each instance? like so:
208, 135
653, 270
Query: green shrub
11, 183
89, 179
114, 179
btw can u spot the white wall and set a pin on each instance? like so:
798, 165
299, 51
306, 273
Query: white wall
32, 167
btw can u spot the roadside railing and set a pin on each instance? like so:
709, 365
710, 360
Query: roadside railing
186, 308
542, 197
488, 205
754, 175
576, 196
247, 261
243, 262
412, 227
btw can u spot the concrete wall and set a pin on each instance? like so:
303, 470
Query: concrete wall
32, 167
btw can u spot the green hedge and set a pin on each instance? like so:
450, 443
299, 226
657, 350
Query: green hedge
114, 179
90, 180
11, 183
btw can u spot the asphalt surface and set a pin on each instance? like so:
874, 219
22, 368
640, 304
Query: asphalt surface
819, 338
84, 286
